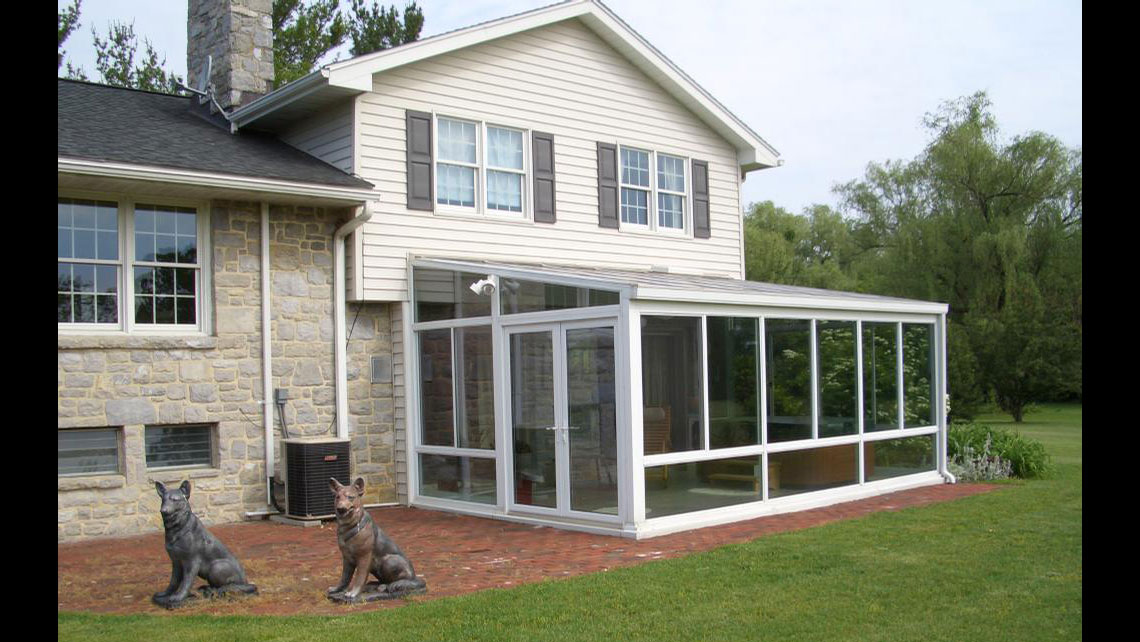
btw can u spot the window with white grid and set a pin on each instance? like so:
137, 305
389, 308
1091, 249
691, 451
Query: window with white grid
480, 168
654, 189
130, 266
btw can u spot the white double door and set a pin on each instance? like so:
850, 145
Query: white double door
562, 418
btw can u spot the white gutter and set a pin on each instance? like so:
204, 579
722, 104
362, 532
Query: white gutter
315, 81
363, 214
266, 356
209, 179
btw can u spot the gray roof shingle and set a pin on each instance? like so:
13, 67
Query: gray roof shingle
102, 123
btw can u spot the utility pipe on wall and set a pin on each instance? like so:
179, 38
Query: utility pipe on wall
363, 214
266, 356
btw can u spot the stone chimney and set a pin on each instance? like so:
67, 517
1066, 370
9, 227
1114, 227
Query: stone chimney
239, 36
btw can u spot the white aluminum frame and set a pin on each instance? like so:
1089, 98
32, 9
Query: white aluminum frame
642, 524
558, 331
625, 318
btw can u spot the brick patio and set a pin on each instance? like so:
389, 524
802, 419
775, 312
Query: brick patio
292, 566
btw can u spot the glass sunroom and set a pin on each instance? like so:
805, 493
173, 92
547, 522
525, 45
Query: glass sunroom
644, 403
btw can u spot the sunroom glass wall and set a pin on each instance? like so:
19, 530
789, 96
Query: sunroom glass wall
734, 391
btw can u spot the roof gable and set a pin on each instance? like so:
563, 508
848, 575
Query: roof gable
355, 75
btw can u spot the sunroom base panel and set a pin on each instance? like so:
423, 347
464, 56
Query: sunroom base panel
700, 519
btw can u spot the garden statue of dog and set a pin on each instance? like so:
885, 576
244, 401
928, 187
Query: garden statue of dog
364, 550
194, 552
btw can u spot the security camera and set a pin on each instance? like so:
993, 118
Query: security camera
483, 286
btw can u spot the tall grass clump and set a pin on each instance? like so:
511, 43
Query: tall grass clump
982, 449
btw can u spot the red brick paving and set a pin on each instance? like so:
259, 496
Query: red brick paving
292, 566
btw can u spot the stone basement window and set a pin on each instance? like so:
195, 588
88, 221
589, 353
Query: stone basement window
89, 451
180, 446
134, 267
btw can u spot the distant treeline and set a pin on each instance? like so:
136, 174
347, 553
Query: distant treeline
988, 225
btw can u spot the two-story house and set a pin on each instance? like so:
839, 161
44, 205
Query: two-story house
502, 266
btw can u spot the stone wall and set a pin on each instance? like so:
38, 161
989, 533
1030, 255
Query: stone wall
130, 382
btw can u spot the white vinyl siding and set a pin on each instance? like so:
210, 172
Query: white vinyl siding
560, 79
327, 134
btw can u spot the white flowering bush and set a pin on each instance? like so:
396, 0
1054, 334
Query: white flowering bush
971, 465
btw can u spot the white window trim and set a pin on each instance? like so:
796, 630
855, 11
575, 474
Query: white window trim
653, 225
126, 325
481, 167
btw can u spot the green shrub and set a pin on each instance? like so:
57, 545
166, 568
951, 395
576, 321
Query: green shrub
1026, 456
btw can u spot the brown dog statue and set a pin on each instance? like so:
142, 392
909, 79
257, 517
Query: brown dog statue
364, 550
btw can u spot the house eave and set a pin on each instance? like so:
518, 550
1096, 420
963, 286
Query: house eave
270, 188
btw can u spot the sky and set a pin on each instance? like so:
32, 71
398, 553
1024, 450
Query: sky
831, 84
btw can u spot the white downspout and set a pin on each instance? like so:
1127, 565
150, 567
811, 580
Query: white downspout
363, 213
266, 356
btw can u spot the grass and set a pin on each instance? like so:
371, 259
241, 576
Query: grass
1003, 565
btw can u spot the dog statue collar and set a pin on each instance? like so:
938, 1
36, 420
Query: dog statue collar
365, 520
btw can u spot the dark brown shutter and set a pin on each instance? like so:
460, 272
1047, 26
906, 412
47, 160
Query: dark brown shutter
419, 161
542, 146
607, 186
701, 226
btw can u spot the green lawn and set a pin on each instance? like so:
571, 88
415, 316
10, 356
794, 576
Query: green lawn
1006, 565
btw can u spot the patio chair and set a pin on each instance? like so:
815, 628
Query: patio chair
658, 428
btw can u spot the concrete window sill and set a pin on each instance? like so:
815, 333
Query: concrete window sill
135, 342
91, 482
176, 475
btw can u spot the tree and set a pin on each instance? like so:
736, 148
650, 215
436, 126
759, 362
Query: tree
377, 28
115, 60
68, 22
809, 250
115, 56
303, 34
993, 228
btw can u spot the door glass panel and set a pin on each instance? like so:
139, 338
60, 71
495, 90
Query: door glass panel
532, 417
592, 428
475, 388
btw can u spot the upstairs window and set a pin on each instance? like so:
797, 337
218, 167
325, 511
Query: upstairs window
457, 167
505, 175
635, 187
670, 192
653, 189
480, 167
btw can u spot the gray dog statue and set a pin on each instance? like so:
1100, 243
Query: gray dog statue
194, 552
365, 550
